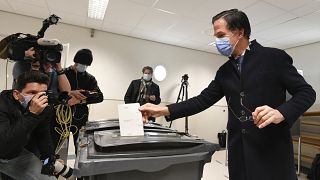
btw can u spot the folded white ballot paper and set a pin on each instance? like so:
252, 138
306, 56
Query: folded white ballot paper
130, 120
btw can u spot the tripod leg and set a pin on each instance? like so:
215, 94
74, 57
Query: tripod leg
185, 88
181, 90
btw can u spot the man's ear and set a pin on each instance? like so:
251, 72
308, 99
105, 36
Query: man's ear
241, 32
15, 94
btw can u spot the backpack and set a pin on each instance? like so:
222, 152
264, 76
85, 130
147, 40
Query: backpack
314, 173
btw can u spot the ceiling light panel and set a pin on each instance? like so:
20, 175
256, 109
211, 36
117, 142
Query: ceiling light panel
97, 9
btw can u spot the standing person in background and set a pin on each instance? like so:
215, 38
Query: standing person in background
57, 79
143, 90
84, 90
254, 81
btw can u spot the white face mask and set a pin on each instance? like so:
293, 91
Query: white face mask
147, 77
81, 67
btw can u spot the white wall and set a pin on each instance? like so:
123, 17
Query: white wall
306, 58
119, 59
5, 71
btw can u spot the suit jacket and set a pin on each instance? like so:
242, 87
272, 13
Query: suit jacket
266, 74
132, 93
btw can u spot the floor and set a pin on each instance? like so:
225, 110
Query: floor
216, 170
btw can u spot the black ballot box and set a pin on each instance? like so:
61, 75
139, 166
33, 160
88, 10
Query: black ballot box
161, 154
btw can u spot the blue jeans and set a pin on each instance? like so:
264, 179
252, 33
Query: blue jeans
24, 166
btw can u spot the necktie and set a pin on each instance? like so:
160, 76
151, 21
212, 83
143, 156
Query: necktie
239, 62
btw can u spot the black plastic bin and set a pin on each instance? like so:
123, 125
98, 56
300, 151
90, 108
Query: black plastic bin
161, 154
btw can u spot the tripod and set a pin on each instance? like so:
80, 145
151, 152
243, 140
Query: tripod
183, 96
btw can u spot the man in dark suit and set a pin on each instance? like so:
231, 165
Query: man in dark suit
254, 82
143, 90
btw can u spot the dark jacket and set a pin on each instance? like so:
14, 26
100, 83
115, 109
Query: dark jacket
84, 81
266, 74
132, 93
21, 129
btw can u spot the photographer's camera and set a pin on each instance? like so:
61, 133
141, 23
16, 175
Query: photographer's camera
52, 167
60, 98
46, 50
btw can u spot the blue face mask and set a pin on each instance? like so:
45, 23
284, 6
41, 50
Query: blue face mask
147, 77
26, 100
224, 46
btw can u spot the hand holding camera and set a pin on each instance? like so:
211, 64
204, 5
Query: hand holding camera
58, 67
30, 53
76, 97
38, 103
54, 167
83, 96
78, 94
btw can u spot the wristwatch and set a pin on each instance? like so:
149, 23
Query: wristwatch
60, 72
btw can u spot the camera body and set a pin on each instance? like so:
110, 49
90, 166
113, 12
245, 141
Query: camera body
91, 95
185, 77
43, 53
61, 98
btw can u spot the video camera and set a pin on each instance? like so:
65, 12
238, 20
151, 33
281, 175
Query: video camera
46, 50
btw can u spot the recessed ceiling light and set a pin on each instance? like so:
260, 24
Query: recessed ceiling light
169, 12
97, 9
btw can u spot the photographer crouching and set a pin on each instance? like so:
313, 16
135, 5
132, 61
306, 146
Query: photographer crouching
23, 121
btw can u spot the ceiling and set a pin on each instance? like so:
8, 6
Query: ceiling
187, 23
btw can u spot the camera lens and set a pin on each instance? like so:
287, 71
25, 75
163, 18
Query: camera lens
53, 57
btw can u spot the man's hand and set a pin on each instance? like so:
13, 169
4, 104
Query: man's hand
58, 67
35, 65
152, 98
73, 101
76, 97
77, 94
151, 110
265, 115
38, 103
30, 53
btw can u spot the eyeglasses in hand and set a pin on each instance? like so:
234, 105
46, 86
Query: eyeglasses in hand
242, 118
